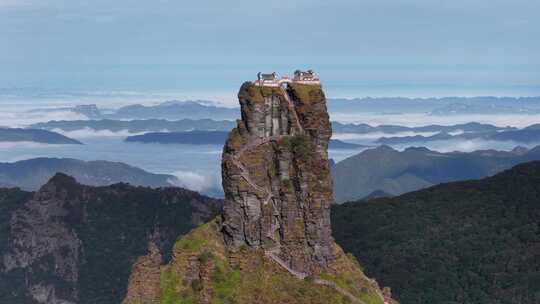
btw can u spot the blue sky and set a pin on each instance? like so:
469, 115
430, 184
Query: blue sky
374, 47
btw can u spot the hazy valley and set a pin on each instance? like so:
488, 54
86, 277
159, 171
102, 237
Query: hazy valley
193, 158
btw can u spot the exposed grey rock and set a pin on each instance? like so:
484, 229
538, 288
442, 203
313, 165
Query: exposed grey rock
37, 234
276, 177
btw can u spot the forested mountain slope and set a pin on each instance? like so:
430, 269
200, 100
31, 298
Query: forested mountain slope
463, 242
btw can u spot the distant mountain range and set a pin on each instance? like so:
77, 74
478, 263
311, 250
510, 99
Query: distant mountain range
464, 242
336, 144
35, 135
437, 106
33, 173
175, 110
460, 108
137, 126
466, 131
160, 125
472, 127
188, 138
170, 110
208, 138
385, 170
91, 111
530, 134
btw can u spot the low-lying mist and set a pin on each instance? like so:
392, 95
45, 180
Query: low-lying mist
423, 119
91, 133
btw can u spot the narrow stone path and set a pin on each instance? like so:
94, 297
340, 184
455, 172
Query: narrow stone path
301, 276
272, 253
244, 173
246, 177
339, 289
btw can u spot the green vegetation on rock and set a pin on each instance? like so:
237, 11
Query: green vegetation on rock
225, 282
248, 276
305, 92
302, 147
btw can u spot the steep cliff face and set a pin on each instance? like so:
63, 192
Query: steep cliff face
275, 176
70, 243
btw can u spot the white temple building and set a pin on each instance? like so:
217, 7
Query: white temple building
301, 77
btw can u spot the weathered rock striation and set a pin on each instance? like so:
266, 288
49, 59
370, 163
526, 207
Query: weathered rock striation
276, 177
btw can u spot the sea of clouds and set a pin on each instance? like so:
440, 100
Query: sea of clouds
20, 119
197, 181
376, 135
87, 132
197, 168
423, 119
460, 145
